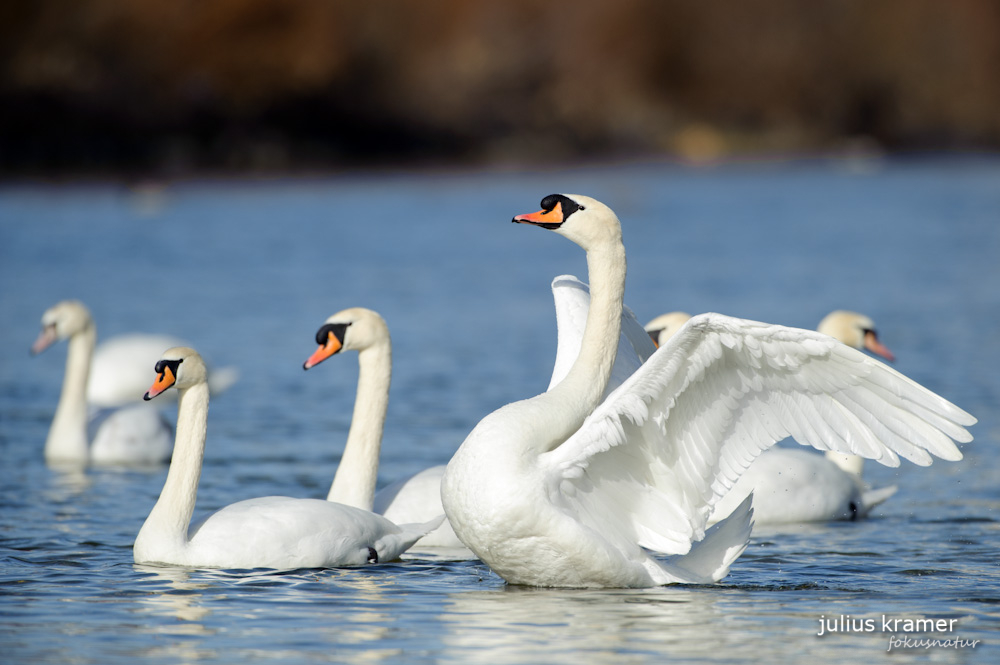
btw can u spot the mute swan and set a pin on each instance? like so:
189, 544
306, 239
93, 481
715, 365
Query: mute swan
564, 489
135, 434
269, 532
417, 498
120, 368
414, 499
792, 485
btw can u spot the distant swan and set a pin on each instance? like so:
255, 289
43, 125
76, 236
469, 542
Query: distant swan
136, 434
568, 490
414, 499
119, 373
269, 532
794, 485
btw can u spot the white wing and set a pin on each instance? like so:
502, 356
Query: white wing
656, 455
572, 301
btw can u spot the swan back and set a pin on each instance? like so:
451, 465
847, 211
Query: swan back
119, 373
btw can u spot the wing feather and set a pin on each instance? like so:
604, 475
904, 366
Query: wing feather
669, 442
572, 303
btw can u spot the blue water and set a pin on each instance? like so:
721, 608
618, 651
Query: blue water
247, 270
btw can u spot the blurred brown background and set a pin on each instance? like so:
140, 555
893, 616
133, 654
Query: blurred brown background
173, 87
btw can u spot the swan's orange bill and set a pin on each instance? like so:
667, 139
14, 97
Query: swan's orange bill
164, 380
876, 347
323, 352
554, 216
45, 339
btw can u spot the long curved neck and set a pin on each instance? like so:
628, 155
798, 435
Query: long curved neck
582, 389
168, 522
67, 439
355, 480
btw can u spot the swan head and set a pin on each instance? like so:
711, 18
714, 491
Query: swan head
181, 367
584, 220
62, 321
664, 326
855, 330
353, 329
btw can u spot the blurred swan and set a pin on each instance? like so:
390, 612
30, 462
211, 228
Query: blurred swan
269, 532
135, 434
119, 373
665, 326
793, 485
566, 489
413, 499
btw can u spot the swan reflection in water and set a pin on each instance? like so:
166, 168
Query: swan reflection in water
530, 625
349, 612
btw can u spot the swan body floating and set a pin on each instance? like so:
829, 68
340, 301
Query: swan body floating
573, 489
269, 532
119, 373
792, 485
413, 499
134, 434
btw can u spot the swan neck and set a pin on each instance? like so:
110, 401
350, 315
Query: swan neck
67, 438
169, 520
588, 378
357, 474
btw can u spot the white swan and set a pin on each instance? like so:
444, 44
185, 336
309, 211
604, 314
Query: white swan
417, 498
565, 489
119, 373
413, 499
269, 532
135, 434
793, 485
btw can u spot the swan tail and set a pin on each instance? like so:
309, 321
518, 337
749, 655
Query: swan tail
710, 558
873, 497
391, 545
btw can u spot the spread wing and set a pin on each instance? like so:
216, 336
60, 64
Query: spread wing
572, 301
659, 451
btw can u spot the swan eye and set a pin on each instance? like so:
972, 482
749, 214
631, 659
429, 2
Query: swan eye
337, 329
566, 205
172, 364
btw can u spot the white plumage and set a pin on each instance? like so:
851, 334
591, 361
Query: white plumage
417, 498
569, 488
132, 434
119, 373
413, 499
793, 485
269, 532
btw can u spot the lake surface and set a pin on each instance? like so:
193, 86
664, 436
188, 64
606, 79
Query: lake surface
247, 271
